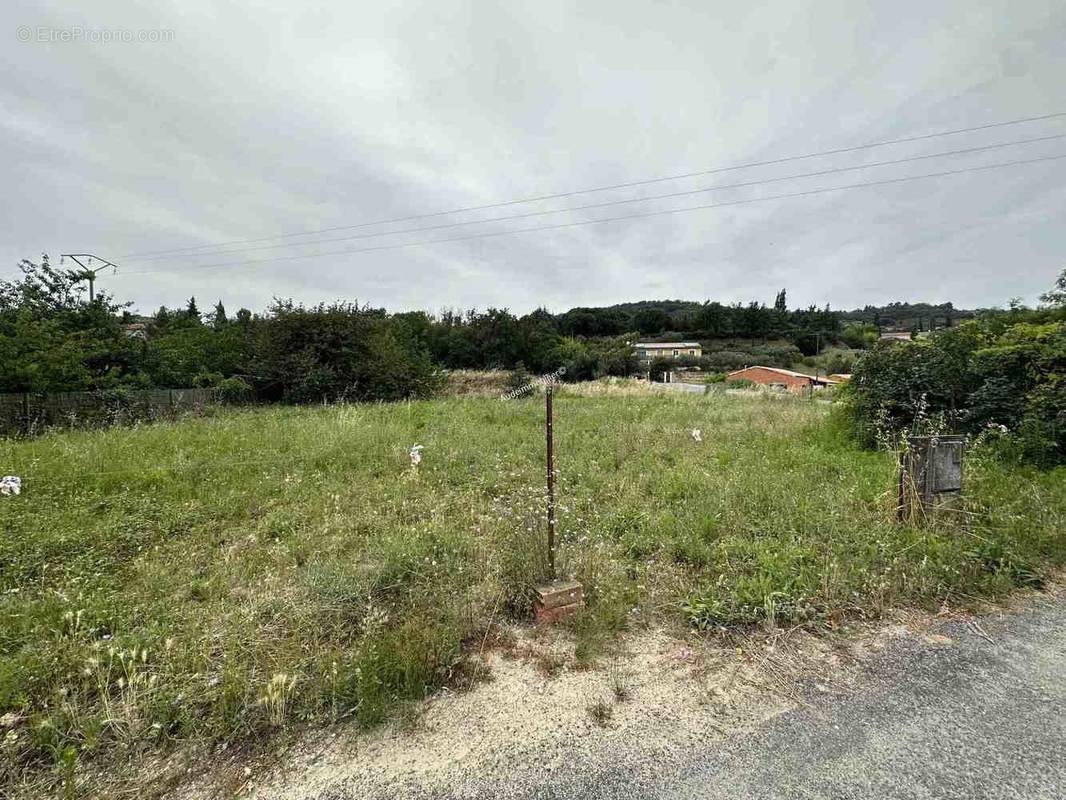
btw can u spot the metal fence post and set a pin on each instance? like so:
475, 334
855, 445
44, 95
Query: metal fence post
551, 479
901, 497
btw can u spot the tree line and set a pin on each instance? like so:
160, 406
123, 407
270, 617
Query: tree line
54, 339
806, 328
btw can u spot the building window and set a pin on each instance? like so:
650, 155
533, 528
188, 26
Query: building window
675, 352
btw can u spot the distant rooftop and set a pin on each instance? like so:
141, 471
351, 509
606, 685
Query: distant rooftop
788, 372
666, 345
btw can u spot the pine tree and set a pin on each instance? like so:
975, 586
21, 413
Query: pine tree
218, 318
781, 302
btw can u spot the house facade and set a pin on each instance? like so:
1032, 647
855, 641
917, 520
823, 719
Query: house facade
647, 351
778, 378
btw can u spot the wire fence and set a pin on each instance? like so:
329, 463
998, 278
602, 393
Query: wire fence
29, 414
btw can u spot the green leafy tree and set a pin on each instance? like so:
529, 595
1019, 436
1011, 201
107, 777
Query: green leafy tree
651, 321
712, 318
576, 356
1056, 295
52, 339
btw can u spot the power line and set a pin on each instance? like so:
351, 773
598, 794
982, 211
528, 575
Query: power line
627, 185
609, 203
642, 215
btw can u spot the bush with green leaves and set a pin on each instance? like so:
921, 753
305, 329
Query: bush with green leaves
234, 390
1002, 372
519, 382
337, 352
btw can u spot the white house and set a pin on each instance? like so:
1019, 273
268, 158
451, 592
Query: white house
646, 351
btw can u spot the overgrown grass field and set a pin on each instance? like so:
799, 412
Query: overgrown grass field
218, 578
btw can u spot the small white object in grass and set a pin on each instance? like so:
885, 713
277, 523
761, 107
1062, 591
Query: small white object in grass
416, 455
697, 434
10, 484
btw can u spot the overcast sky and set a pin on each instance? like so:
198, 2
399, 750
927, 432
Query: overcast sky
253, 122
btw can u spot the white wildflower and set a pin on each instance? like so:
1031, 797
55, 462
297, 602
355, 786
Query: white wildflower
10, 485
416, 455
697, 434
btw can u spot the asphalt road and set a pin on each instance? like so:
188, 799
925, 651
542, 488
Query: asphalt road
976, 719
966, 719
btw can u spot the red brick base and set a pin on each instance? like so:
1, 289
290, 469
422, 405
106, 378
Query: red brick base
557, 600
546, 616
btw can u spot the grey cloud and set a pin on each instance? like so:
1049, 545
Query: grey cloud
263, 120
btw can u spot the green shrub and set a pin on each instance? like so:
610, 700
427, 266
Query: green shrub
519, 382
234, 390
981, 375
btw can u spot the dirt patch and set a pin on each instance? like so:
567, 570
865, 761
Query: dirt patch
532, 701
533, 704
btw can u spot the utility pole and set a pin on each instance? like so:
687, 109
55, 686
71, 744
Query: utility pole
87, 272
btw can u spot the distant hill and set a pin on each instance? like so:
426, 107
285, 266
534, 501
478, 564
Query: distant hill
905, 316
645, 315
669, 306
